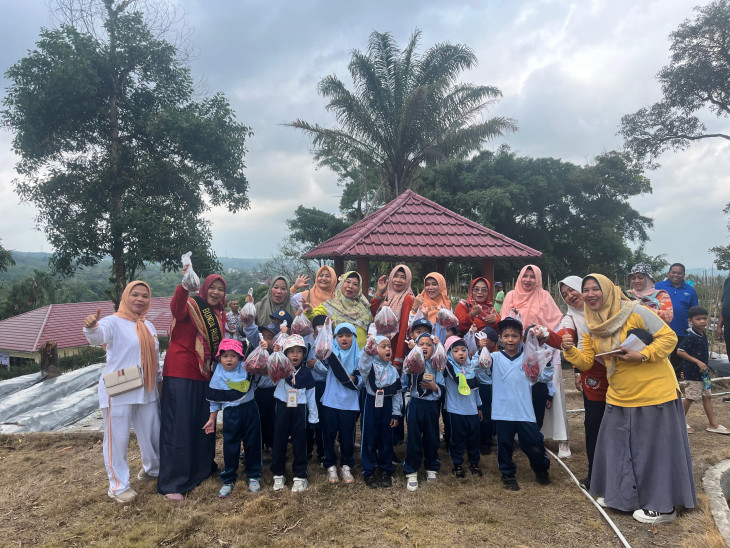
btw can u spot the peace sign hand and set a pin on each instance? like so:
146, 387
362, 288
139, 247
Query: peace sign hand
91, 320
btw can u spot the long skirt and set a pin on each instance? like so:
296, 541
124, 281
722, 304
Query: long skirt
187, 453
555, 424
642, 458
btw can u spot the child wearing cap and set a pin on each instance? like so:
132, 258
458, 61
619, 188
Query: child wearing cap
381, 412
232, 389
423, 418
463, 405
512, 410
294, 403
340, 403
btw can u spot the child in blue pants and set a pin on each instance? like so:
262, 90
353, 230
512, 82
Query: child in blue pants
232, 389
381, 412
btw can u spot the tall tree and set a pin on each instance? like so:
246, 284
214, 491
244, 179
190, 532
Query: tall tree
116, 154
6, 259
407, 110
722, 252
697, 78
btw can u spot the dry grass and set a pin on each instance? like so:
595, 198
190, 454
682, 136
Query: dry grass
53, 493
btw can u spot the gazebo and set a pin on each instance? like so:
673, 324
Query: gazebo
413, 228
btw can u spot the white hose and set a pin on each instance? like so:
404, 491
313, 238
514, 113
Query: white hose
603, 513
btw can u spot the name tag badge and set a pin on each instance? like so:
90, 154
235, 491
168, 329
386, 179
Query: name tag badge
427, 377
292, 398
379, 398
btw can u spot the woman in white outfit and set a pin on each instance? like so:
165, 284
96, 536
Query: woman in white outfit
130, 341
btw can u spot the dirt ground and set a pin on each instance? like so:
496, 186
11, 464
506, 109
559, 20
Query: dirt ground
53, 493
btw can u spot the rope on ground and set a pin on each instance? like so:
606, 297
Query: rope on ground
590, 498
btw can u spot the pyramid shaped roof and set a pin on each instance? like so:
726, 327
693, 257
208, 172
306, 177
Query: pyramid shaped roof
414, 227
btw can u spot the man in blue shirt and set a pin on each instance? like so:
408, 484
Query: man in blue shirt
683, 297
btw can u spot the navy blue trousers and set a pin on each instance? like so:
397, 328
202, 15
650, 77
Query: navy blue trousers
289, 421
465, 434
334, 421
486, 427
531, 443
265, 400
539, 399
377, 437
422, 441
241, 423
314, 435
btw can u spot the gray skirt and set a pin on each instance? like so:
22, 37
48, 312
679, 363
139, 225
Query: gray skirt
642, 458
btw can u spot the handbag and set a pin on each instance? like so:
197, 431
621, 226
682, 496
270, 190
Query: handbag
124, 380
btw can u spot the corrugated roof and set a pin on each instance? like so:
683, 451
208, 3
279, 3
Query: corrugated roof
414, 227
63, 324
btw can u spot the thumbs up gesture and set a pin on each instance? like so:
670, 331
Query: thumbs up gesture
91, 320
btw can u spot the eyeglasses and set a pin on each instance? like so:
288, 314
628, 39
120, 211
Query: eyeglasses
481, 290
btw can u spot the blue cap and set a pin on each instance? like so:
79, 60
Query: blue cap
281, 316
271, 326
422, 322
490, 333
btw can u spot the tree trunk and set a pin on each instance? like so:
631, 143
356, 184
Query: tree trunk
50, 365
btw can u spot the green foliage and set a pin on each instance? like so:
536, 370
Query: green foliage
657, 263
579, 217
38, 290
407, 110
722, 252
116, 154
697, 78
6, 259
312, 227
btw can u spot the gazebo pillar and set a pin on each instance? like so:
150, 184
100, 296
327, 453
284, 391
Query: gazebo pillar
363, 268
339, 266
488, 270
441, 267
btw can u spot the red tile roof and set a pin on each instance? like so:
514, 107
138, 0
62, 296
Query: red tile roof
413, 227
62, 323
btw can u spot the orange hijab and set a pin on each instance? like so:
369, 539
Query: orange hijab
442, 300
316, 296
536, 306
146, 340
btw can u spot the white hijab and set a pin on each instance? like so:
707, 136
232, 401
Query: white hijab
577, 315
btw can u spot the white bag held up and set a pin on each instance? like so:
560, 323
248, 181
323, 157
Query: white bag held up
190, 281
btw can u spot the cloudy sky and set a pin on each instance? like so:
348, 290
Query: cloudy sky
568, 72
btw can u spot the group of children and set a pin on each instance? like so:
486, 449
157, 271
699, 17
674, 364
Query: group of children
323, 398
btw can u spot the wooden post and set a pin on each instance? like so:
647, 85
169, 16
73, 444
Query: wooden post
488, 270
339, 266
363, 268
441, 267
50, 366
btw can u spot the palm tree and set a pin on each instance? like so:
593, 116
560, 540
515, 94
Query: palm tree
407, 110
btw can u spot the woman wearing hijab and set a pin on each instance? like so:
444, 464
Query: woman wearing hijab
477, 308
433, 297
395, 292
348, 305
323, 289
277, 298
642, 462
592, 383
642, 289
130, 341
198, 325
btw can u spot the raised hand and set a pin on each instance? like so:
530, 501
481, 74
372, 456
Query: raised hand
302, 281
417, 303
476, 310
567, 342
382, 285
92, 319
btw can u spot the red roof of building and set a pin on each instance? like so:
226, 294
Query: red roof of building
413, 227
63, 324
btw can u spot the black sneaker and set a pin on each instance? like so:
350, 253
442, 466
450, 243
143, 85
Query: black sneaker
386, 481
543, 478
726, 398
459, 472
474, 469
510, 483
371, 481
585, 483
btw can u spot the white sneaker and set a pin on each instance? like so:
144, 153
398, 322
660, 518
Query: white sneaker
650, 516
254, 485
564, 450
124, 497
144, 477
431, 476
332, 476
412, 482
278, 483
346, 475
601, 502
300, 484
719, 430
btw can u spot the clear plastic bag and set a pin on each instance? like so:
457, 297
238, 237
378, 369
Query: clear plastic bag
248, 314
280, 337
386, 322
446, 318
301, 326
485, 358
371, 347
415, 363
536, 357
190, 281
257, 362
280, 367
438, 358
323, 344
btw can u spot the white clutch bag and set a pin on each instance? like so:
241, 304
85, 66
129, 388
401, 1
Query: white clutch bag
119, 382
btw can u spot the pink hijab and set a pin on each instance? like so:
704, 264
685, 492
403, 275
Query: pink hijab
536, 306
394, 299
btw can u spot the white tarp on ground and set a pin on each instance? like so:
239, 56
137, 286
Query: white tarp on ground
55, 414
18, 383
40, 395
